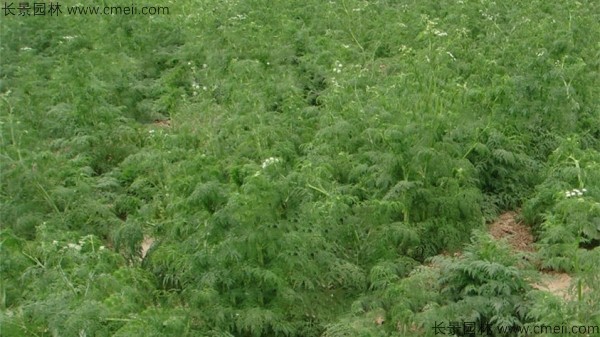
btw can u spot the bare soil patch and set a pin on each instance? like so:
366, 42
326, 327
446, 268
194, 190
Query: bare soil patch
515, 232
146, 244
555, 283
520, 238
162, 123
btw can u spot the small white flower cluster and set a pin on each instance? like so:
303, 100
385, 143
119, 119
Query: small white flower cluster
438, 32
269, 161
335, 83
462, 32
79, 245
451, 55
74, 246
575, 193
487, 16
431, 27
337, 68
26, 48
238, 17
196, 87
405, 49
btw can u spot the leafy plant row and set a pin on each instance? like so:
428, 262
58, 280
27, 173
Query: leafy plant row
296, 167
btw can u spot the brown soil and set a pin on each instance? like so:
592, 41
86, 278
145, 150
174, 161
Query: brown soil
162, 122
520, 238
516, 233
146, 244
555, 283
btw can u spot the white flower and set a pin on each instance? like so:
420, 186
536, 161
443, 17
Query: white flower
238, 17
337, 67
102, 248
575, 192
438, 32
74, 246
26, 48
269, 161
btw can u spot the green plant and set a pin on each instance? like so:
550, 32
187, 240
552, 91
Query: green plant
294, 165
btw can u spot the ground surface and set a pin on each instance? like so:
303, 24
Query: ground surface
146, 244
520, 238
516, 233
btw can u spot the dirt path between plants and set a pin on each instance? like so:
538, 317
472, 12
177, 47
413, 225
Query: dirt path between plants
516, 233
519, 236
146, 244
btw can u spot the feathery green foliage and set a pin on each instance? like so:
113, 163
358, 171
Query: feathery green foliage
295, 167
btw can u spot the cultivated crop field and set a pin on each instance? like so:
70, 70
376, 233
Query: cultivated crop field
301, 169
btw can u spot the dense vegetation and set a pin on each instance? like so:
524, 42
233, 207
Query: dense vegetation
298, 166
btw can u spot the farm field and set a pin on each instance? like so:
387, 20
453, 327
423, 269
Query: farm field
316, 169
